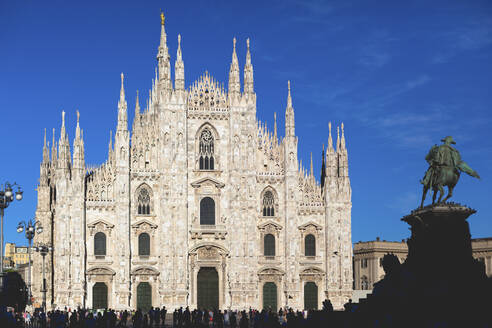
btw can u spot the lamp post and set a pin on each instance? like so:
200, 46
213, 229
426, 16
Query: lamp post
31, 227
6, 197
43, 249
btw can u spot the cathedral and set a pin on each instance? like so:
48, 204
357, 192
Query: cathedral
198, 204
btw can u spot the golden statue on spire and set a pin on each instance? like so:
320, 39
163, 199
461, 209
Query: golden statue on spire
162, 18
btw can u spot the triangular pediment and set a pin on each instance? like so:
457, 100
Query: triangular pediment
145, 270
144, 221
271, 270
270, 223
310, 223
312, 270
207, 181
101, 271
100, 221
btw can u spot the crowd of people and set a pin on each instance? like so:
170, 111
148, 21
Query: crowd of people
158, 317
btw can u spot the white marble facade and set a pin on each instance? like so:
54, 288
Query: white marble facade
154, 182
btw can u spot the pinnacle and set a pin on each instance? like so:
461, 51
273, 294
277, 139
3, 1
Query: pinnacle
289, 97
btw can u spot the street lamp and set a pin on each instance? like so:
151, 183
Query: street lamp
6, 197
31, 227
43, 249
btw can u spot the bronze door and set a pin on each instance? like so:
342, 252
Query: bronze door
310, 296
100, 296
208, 289
144, 296
270, 296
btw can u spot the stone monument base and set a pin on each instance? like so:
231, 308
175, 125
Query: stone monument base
440, 284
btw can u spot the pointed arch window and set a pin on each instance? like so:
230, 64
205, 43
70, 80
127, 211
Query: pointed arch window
268, 204
143, 201
310, 245
206, 150
269, 245
100, 244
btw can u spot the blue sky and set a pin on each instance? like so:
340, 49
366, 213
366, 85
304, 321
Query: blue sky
400, 75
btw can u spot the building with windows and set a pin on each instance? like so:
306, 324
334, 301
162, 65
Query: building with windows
16, 255
197, 205
368, 258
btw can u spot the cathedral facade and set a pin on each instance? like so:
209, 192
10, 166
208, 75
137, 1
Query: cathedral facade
198, 205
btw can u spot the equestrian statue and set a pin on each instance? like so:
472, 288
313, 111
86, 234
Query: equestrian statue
445, 166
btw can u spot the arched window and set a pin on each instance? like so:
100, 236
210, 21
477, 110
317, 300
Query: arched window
268, 204
364, 283
206, 150
269, 245
144, 244
310, 245
143, 201
100, 244
207, 211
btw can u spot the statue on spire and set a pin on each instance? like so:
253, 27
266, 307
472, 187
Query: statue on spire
162, 18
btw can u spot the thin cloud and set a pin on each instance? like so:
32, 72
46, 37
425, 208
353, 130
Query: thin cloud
375, 52
404, 202
473, 37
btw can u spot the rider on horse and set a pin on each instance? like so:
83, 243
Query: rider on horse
444, 160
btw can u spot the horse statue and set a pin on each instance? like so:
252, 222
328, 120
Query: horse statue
445, 167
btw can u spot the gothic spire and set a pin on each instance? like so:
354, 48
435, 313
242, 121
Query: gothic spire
234, 83
110, 146
179, 68
77, 129
342, 156
137, 106
338, 138
63, 133
289, 115
122, 114
311, 172
342, 141
330, 140
163, 60
275, 125
64, 148
46, 152
248, 73
289, 97
78, 147
163, 43
54, 156
44, 167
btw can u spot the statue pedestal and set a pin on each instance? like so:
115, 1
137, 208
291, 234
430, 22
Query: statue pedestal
439, 282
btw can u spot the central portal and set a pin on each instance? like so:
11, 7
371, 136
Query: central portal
208, 289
